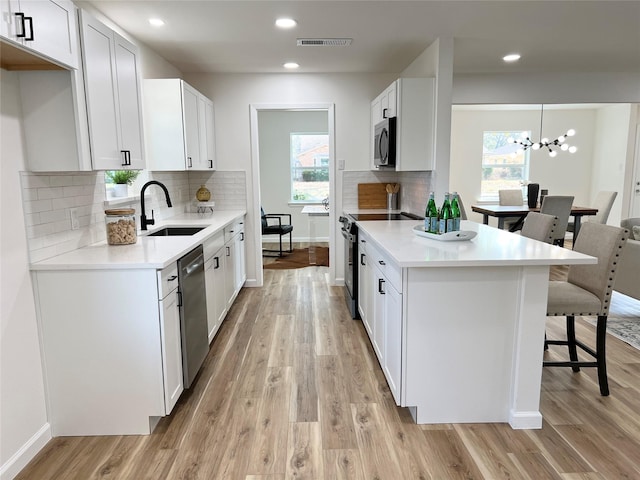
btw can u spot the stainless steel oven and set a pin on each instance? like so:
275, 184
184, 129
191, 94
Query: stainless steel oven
349, 231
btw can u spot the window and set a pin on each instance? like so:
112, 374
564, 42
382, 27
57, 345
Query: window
309, 167
504, 166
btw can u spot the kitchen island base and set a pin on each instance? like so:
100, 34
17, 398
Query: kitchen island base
474, 340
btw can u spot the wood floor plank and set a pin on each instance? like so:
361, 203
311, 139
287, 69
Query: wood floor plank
304, 457
281, 354
335, 410
268, 452
304, 392
342, 464
263, 372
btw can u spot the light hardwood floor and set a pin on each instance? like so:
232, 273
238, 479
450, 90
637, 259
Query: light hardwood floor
292, 389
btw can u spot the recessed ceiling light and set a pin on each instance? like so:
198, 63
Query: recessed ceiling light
286, 23
291, 65
512, 57
156, 22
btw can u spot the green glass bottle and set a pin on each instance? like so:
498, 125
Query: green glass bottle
455, 211
445, 223
431, 215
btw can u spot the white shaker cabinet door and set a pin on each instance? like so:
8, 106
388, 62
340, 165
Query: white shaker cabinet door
102, 107
191, 129
129, 101
172, 350
209, 135
392, 364
113, 97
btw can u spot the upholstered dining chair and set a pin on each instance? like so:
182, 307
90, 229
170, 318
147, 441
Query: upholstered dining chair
559, 206
603, 202
587, 292
512, 197
279, 229
539, 226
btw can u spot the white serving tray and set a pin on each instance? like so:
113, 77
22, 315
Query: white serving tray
459, 236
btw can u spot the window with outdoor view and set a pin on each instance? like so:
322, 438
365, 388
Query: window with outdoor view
504, 164
309, 167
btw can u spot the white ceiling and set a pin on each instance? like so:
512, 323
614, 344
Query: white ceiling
237, 36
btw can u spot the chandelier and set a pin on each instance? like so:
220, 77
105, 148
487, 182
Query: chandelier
525, 142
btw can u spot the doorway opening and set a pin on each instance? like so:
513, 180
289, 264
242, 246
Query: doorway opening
294, 174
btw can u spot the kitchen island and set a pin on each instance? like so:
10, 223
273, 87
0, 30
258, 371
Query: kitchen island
458, 327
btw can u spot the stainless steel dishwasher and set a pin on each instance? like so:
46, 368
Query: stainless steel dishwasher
193, 313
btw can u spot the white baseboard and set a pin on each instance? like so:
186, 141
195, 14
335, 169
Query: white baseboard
25, 454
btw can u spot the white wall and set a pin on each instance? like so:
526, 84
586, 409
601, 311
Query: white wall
275, 127
566, 174
232, 94
23, 416
610, 155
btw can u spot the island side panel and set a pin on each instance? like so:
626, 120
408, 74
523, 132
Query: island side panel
529, 349
100, 335
460, 326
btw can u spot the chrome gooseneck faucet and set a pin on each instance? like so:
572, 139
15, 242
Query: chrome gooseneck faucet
143, 218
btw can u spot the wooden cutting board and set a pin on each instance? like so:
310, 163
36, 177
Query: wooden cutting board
372, 195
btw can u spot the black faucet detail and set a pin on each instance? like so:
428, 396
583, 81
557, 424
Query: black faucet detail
143, 218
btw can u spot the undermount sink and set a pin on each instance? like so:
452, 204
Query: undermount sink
175, 231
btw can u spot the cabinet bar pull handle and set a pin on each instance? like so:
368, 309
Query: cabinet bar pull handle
380, 282
210, 163
190, 164
125, 158
242, 236
381, 262
172, 278
179, 293
228, 252
20, 16
217, 260
362, 255
384, 112
30, 37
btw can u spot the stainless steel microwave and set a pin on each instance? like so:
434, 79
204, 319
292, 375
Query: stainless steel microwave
384, 143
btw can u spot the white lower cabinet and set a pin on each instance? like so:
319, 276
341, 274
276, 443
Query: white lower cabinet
170, 337
109, 341
381, 311
235, 272
364, 285
214, 270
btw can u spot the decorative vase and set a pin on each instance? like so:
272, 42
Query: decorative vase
532, 194
203, 194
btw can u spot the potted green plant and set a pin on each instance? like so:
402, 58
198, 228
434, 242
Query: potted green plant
121, 180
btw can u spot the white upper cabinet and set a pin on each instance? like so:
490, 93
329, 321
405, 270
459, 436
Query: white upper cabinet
47, 28
113, 97
178, 126
411, 101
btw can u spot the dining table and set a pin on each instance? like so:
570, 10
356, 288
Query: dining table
509, 211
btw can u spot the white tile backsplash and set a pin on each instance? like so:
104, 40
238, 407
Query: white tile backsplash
414, 188
47, 198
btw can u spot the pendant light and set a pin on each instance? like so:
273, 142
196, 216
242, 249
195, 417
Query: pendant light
525, 142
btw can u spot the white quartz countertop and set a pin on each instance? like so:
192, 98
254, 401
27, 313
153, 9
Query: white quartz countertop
147, 252
491, 247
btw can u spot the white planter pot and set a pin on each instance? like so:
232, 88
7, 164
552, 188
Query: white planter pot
120, 190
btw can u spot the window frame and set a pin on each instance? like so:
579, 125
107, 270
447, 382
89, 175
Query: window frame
525, 165
318, 168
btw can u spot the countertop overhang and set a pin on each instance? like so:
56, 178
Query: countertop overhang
491, 247
148, 252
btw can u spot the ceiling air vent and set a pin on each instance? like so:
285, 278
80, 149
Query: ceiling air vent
324, 42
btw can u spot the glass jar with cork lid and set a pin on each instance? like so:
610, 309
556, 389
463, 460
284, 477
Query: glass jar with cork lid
121, 226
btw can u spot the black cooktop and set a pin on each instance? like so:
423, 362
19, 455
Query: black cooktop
384, 216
